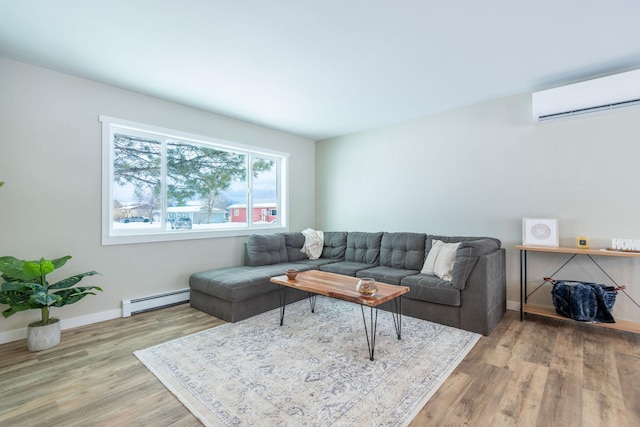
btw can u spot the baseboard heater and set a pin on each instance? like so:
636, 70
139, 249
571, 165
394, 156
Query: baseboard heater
154, 302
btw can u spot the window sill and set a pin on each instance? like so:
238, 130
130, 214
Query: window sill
177, 235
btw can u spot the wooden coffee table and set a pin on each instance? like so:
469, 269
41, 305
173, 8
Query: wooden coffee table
344, 287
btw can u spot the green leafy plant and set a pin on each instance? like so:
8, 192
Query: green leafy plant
26, 286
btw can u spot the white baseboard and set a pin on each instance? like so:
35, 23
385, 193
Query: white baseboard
74, 322
15, 335
513, 305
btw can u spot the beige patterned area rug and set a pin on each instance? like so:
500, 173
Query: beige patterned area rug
312, 371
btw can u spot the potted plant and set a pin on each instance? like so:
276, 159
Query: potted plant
26, 287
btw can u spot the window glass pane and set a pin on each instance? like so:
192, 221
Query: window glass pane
265, 191
235, 197
136, 182
197, 180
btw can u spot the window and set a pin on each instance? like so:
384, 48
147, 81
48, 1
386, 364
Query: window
160, 184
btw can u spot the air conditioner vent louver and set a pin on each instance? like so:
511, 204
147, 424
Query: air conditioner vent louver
609, 93
599, 108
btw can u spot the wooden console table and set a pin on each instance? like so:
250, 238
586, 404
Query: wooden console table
625, 325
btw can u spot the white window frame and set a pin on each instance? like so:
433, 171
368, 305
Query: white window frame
110, 236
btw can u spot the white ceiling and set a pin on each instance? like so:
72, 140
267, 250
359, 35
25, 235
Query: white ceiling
322, 68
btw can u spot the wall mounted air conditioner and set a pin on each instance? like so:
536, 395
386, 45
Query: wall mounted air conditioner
588, 97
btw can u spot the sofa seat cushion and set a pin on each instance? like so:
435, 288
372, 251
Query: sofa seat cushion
316, 263
424, 287
239, 283
389, 275
346, 268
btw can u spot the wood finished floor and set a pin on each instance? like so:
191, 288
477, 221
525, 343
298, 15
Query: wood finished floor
540, 372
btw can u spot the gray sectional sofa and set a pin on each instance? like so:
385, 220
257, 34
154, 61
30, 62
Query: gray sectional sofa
474, 299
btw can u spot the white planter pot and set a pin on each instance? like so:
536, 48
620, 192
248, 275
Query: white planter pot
43, 337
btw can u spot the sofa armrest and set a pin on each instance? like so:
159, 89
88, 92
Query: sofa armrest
484, 299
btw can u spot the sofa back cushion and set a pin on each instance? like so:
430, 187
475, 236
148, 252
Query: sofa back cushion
405, 251
266, 249
470, 249
363, 247
335, 245
293, 244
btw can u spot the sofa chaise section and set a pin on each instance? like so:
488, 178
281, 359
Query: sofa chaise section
236, 293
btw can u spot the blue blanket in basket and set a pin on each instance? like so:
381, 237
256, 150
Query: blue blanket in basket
585, 302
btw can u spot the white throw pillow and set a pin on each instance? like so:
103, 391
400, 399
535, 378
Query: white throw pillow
440, 259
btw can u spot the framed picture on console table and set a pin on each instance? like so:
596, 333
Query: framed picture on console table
540, 232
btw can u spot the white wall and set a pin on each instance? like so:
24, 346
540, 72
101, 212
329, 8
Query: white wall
480, 170
50, 205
